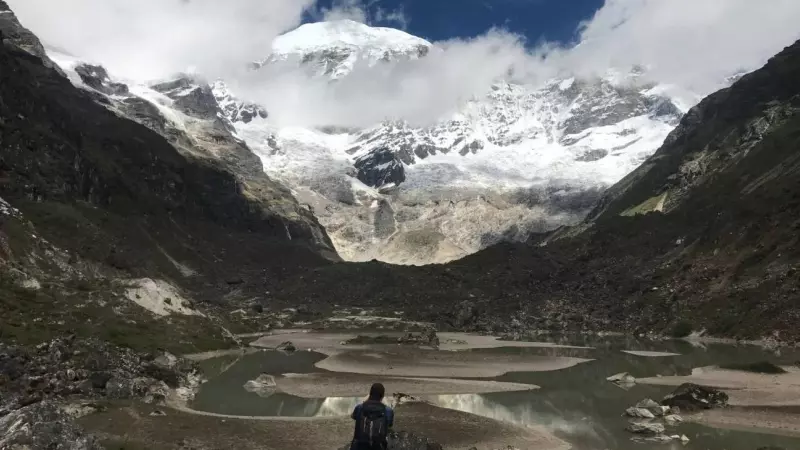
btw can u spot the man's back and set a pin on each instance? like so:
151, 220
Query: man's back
373, 420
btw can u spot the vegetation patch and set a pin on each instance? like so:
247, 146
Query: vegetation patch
89, 308
652, 204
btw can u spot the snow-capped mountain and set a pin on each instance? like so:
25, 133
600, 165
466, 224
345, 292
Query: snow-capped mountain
334, 48
568, 122
518, 160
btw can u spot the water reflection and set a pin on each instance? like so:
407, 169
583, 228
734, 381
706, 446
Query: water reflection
337, 406
525, 415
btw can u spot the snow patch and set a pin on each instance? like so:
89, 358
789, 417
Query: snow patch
159, 297
7, 210
32, 284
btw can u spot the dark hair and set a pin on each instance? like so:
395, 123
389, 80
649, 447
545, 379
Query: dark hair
377, 391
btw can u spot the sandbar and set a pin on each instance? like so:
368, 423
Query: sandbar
468, 341
412, 362
649, 354
318, 385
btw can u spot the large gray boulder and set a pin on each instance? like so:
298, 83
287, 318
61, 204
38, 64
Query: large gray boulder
693, 397
646, 428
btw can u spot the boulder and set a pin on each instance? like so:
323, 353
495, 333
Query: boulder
622, 378
156, 392
673, 419
263, 386
286, 347
99, 379
427, 337
646, 428
693, 397
639, 413
653, 406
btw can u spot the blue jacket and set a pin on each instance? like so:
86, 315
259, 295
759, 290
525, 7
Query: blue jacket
389, 415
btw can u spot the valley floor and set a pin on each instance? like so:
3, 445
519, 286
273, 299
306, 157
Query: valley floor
135, 427
477, 398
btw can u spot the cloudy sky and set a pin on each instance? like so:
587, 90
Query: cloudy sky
691, 43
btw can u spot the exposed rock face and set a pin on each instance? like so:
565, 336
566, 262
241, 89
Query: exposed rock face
692, 397
380, 169
234, 109
97, 78
194, 99
14, 34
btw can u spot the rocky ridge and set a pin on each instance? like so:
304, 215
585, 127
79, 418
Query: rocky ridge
93, 202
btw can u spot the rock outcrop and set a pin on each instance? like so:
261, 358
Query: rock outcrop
44, 425
91, 368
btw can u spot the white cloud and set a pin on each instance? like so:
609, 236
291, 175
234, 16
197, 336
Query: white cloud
421, 91
143, 39
692, 43
397, 17
344, 10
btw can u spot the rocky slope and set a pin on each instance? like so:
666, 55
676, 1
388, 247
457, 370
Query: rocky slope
520, 159
109, 229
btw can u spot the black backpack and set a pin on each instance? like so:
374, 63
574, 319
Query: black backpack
372, 424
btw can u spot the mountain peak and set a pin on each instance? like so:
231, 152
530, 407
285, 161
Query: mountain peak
345, 33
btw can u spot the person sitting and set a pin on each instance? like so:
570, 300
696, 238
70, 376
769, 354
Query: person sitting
373, 420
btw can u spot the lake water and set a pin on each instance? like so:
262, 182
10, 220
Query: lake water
576, 404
